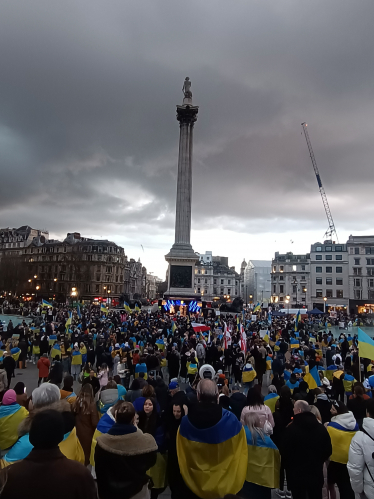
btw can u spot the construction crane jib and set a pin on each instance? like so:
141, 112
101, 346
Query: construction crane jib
331, 230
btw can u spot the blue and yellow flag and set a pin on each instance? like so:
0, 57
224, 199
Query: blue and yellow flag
15, 353
365, 345
160, 344
68, 322
103, 309
46, 303
294, 343
270, 400
52, 338
10, 418
297, 319
208, 457
103, 426
137, 309
341, 437
126, 306
263, 466
312, 378
257, 308
79, 311
56, 350
76, 358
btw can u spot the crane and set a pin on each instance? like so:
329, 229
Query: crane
331, 229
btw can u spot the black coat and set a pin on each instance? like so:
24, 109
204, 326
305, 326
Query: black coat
306, 445
238, 401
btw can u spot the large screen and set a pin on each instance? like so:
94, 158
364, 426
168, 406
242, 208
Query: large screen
181, 276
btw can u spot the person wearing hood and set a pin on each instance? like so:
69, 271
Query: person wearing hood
248, 377
92, 380
108, 397
305, 473
23, 479
76, 361
360, 464
323, 404
342, 428
11, 415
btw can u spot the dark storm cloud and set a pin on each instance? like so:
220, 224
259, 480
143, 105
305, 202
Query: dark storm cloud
88, 136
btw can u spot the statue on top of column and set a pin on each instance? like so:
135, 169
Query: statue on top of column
187, 88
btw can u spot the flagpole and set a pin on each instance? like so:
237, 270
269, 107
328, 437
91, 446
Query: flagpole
359, 361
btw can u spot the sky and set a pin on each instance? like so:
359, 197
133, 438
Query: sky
89, 137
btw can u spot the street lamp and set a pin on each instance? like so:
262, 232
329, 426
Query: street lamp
35, 276
288, 301
324, 304
288, 306
73, 293
37, 287
304, 291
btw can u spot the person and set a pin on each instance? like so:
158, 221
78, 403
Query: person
323, 404
248, 377
86, 419
46, 397
292, 383
56, 373
173, 472
93, 381
255, 403
237, 401
23, 479
205, 473
357, 404
76, 361
282, 416
22, 398
271, 398
103, 375
263, 461
134, 392
123, 371
360, 464
342, 429
67, 391
3, 381
9, 365
11, 415
150, 422
122, 457
43, 365
305, 475
108, 397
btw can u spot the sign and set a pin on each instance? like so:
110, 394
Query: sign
218, 312
263, 333
254, 318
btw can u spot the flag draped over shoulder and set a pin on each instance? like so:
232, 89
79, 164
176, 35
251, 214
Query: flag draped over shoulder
263, 462
365, 345
213, 461
312, 378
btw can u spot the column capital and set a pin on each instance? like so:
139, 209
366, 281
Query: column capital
187, 114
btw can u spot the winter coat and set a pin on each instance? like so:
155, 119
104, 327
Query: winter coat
342, 429
3, 380
305, 431
263, 412
323, 404
360, 460
43, 365
122, 458
86, 426
200, 351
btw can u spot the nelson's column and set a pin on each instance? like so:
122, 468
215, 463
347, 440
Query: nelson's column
182, 257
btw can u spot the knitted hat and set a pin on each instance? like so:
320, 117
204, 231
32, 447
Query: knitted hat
10, 397
173, 385
47, 430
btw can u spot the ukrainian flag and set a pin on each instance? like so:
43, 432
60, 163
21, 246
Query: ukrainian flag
68, 322
294, 343
270, 400
365, 345
103, 309
79, 311
266, 338
137, 309
248, 375
10, 418
70, 447
276, 346
257, 307
173, 327
126, 306
15, 353
263, 461
46, 304
213, 461
52, 339
348, 382
268, 363
103, 426
76, 358
141, 368
297, 320
56, 350
340, 440
160, 344
330, 371
312, 378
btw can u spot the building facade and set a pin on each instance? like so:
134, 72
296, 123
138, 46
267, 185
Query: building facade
329, 275
290, 280
214, 279
257, 282
361, 274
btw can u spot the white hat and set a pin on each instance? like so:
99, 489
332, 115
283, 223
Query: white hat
76, 345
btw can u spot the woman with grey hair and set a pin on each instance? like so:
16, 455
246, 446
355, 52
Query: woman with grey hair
263, 461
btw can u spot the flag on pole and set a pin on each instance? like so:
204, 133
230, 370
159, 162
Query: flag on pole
365, 345
199, 328
79, 311
103, 309
297, 319
137, 309
227, 336
257, 307
243, 339
173, 327
126, 306
68, 322
46, 304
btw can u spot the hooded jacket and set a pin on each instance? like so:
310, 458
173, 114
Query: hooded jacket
342, 429
323, 404
360, 460
305, 433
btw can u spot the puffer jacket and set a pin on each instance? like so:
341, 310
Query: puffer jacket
360, 460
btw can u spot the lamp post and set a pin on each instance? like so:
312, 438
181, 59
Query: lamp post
73, 294
288, 304
324, 304
304, 291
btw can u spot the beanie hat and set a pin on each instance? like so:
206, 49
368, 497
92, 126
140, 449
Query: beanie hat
10, 397
173, 385
47, 430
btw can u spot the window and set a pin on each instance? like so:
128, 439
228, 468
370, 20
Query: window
357, 294
97, 288
370, 271
370, 283
229, 281
198, 290
338, 257
281, 287
98, 277
198, 280
229, 291
199, 271
318, 248
281, 298
303, 277
328, 281
329, 293
318, 280
339, 282
369, 250
371, 294
109, 270
328, 257
328, 270
338, 248
318, 257
275, 278
274, 268
357, 251
214, 281
221, 281
274, 288
206, 281
281, 268
215, 291
294, 268
319, 293
328, 248
357, 283
205, 290
318, 269
339, 270
357, 261
303, 267
339, 293
369, 261
357, 271
281, 278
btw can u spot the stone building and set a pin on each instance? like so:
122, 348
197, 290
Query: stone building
361, 274
256, 282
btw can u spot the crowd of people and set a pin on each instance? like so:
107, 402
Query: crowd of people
203, 404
